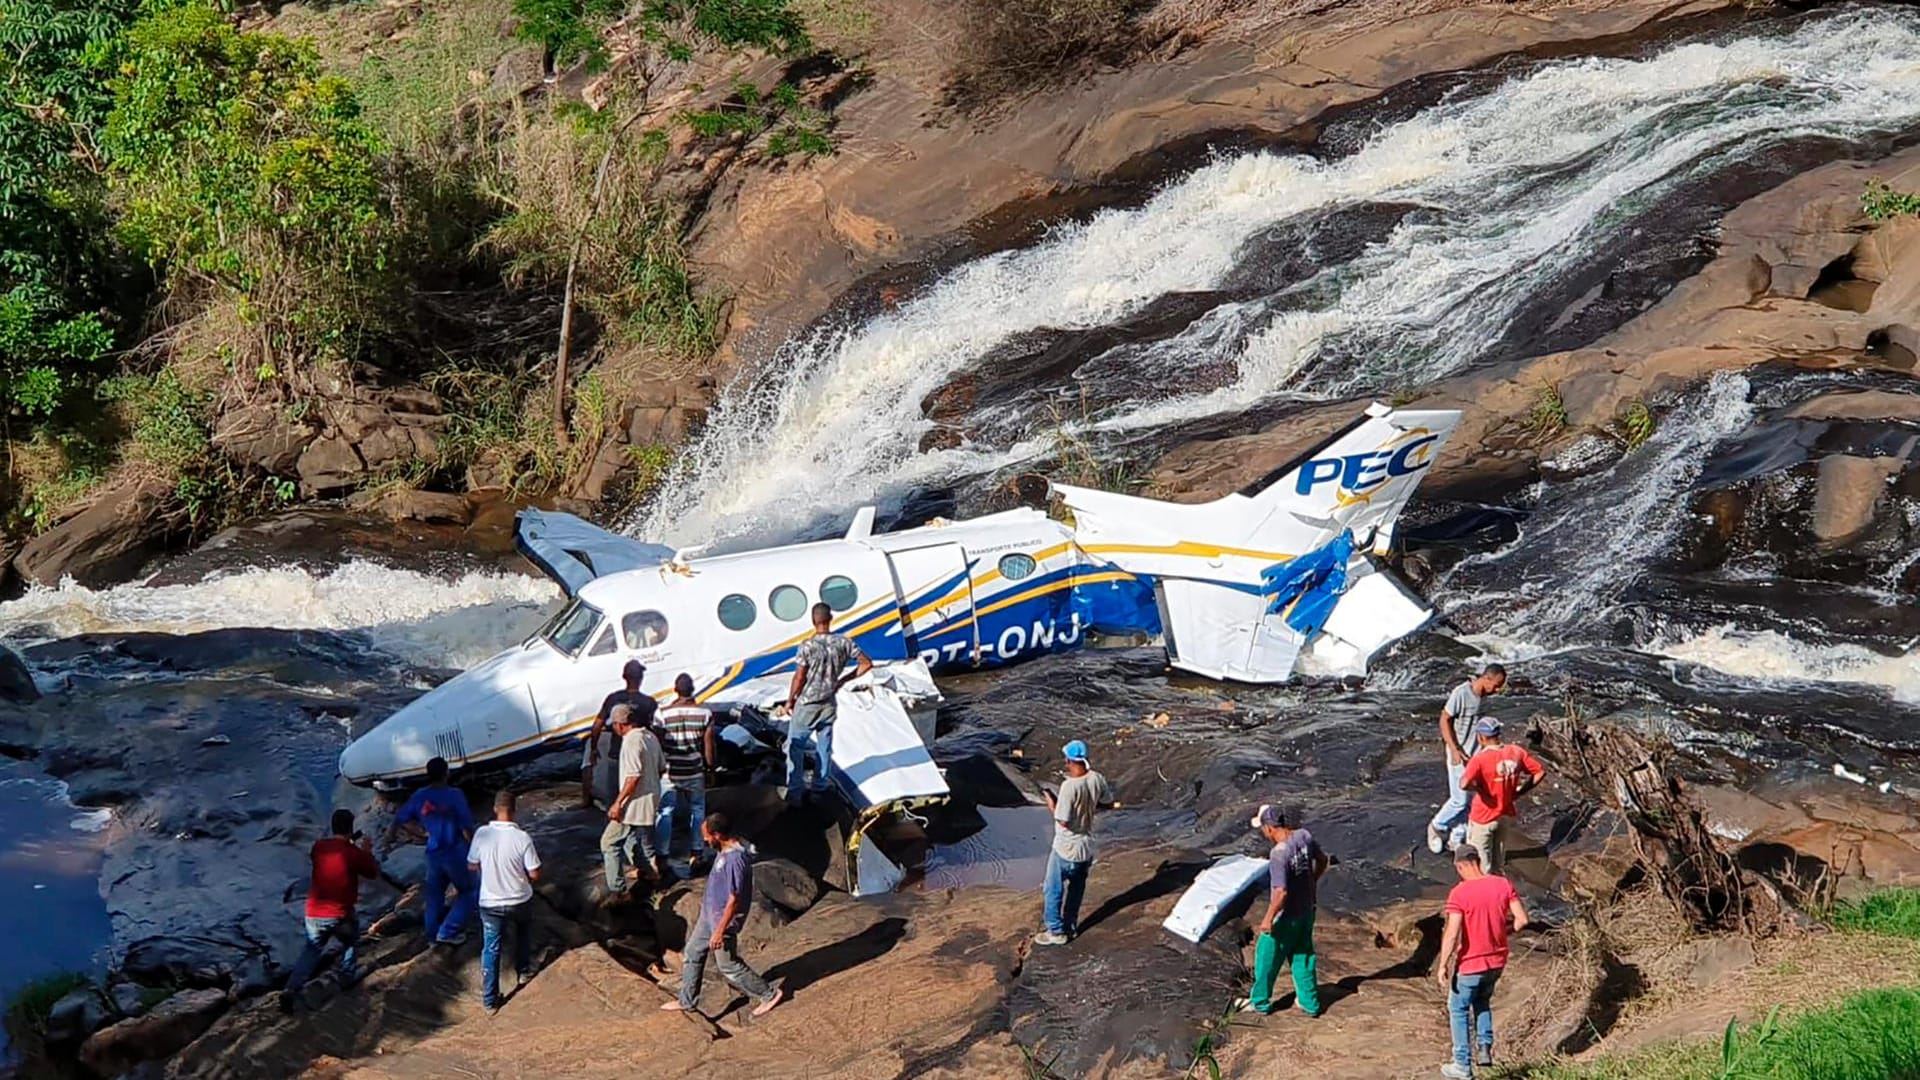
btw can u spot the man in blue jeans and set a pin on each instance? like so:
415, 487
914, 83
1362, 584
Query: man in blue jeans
1449, 827
1481, 911
504, 860
340, 862
819, 671
440, 811
1072, 857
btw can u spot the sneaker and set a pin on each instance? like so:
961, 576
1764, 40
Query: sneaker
455, 940
1455, 1071
1435, 842
492, 1007
1484, 1058
1048, 937
1241, 1005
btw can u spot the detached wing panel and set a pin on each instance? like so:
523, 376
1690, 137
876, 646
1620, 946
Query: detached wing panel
573, 552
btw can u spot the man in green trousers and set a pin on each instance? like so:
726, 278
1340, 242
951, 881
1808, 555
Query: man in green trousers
1287, 927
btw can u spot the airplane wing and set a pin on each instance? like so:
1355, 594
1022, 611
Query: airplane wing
1277, 577
573, 552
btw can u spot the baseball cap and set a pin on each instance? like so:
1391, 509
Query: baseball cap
1487, 726
1075, 751
634, 670
1269, 816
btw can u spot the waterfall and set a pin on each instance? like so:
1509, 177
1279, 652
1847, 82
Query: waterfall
1513, 189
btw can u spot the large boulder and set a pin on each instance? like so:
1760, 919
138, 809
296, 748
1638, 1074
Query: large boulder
74, 1017
16, 682
161, 1033
1849, 489
263, 436
105, 543
330, 466
432, 507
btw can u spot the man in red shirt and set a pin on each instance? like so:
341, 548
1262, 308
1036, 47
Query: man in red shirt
1497, 775
1473, 953
340, 862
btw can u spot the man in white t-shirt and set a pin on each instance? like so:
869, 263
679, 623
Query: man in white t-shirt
1449, 827
502, 855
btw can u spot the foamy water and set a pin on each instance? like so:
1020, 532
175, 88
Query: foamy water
1770, 656
420, 618
1519, 184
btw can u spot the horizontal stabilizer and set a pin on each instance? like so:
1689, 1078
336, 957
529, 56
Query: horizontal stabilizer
573, 552
1255, 581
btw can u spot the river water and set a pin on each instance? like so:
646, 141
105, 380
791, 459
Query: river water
1406, 248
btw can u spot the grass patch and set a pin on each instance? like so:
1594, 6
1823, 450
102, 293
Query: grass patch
1881, 202
1894, 912
30, 1006
1549, 415
1868, 1036
1634, 425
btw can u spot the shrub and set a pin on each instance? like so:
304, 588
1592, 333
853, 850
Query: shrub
562, 27
1880, 202
1010, 47
1894, 912
761, 24
240, 166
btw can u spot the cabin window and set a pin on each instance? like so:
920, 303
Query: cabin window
736, 612
839, 592
1016, 566
788, 602
604, 645
570, 630
645, 629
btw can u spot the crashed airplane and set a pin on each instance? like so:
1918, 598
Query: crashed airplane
1255, 586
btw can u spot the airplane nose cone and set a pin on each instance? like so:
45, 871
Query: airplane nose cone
398, 746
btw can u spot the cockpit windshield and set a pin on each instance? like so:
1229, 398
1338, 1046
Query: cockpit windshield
571, 628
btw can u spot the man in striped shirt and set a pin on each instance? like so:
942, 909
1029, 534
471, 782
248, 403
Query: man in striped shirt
685, 728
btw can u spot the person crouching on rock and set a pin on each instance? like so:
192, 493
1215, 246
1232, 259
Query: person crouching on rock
1494, 777
340, 863
723, 911
1286, 929
1072, 856
440, 811
630, 820
1473, 953
504, 859
1448, 827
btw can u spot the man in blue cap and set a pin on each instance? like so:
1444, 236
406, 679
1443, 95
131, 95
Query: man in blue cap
1072, 857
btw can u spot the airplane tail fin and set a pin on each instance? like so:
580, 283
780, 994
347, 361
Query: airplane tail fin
1276, 576
1358, 479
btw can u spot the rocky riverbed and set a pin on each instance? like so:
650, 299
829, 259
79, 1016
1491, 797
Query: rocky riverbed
1688, 508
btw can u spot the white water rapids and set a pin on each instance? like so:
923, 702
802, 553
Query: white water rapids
1515, 187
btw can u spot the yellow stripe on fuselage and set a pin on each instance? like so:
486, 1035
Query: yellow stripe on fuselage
1186, 547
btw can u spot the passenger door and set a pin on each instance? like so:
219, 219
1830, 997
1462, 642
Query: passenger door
936, 604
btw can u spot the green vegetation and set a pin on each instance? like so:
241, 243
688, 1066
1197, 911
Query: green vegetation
1634, 425
1894, 912
197, 217
797, 128
1549, 415
1869, 1036
1881, 202
30, 1006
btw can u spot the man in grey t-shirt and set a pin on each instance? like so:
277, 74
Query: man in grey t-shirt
819, 671
1081, 793
1449, 827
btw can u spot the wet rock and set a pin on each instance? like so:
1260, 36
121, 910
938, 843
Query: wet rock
76, 1016
264, 437
1849, 488
1859, 405
105, 543
16, 682
129, 999
161, 1033
432, 507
